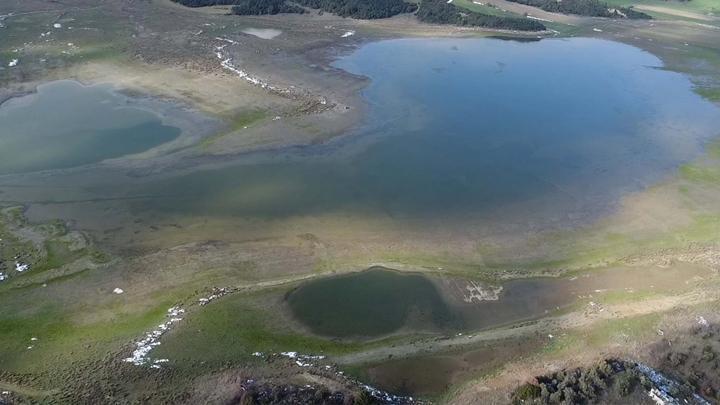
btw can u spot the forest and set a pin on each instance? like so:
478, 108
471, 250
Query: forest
442, 12
362, 9
590, 8
429, 11
261, 7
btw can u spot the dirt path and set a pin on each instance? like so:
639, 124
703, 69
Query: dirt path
546, 325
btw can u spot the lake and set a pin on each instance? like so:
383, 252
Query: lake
489, 135
554, 129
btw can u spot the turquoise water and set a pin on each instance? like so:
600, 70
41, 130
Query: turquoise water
555, 128
66, 125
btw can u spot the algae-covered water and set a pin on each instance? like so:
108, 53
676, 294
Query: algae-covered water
370, 303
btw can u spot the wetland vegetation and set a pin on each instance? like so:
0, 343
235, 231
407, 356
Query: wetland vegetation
182, 223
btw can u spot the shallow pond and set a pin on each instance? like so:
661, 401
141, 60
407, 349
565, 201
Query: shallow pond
370, 303
66, 124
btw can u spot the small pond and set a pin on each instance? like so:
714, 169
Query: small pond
66, 124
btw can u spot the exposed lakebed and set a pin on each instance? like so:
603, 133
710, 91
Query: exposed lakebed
369, 303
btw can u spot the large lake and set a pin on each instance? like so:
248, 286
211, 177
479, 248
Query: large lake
553, 130
470, 126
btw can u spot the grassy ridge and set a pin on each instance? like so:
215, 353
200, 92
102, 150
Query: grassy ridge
236, 326
701, 6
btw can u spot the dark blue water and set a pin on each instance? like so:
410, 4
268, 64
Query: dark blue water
555, 128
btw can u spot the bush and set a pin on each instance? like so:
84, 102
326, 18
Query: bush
590, 8
526, 392
625, 383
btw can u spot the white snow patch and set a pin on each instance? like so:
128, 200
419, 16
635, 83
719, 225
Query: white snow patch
662, 392
140, 355
263, 33
532, 17
228, 40
217, 293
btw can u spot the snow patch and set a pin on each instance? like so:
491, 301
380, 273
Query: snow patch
143, 347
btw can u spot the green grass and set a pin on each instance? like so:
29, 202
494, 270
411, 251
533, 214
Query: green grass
604, 333
61, 339
231, 329
700, 174
483, 9
237, 123
713, 150
105, 39
620, 296
698, 6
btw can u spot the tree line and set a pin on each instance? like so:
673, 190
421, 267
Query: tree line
260, 7
363, 9
429, 11
590, 8
442, 12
